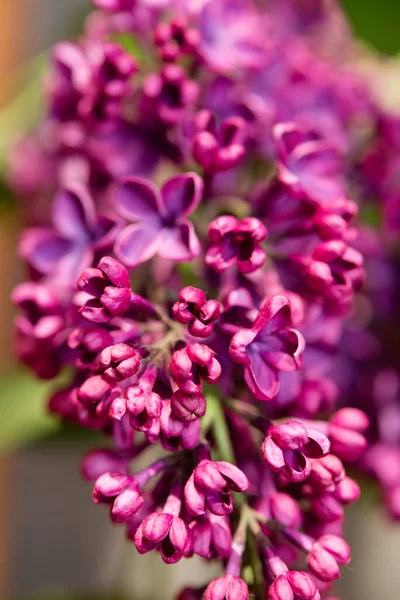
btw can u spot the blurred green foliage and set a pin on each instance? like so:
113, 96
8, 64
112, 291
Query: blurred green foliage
377, 22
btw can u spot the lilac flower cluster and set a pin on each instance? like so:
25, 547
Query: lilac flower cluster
196, 275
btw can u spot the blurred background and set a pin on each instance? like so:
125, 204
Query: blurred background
53, 543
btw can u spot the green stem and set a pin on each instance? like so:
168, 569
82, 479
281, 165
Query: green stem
220, 428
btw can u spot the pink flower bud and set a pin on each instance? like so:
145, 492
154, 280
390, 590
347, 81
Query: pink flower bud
327, 553
228, 587
118, 362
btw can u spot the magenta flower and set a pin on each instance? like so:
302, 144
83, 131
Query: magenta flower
210, 485
231, 35
236, 242
196, 311
218, 149
160, 219
228, 587
64, 251
269, 346
327, 553
121, 492
192, 365
118, 362
294, 585
168, 533
109, 289
308, 166
287, 446
212, 537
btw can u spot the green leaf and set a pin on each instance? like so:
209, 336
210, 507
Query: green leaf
23, 409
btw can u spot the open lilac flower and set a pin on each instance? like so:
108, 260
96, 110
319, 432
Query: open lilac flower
269, 346
196, 311
287, 446
64, 251
236, 242
160, 219
308, 165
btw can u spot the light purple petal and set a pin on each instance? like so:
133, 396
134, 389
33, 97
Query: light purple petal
179, 243
262, 380
43, 249
74, 213
181, 195
138, 200
137, 243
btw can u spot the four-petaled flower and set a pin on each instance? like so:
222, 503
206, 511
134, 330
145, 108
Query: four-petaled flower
270, 346
160, 225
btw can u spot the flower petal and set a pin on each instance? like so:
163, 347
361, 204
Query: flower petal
261, 378
74, 213
137, 243
179, 243
43, 249
181, 195
138, 200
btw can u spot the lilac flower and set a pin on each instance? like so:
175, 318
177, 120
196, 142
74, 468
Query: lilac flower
121, 492
308, 165
177, 433
168, 533
268, 347
218, 150
326, 554
64, 251
109, 289
212, 537
118, 362
236, 242
209, 487
228, 587
175, 38
231, 35
294, 585
168, 94
192, 365
196, 311
160, 219
287, 446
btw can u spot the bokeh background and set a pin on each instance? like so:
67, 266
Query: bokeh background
53, 543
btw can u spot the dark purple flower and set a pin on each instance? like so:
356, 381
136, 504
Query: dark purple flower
287, 446
168, 94
109, 289
228, 587
168, 533
188, 407
196, 311
218, 149
160, 219
210, 485
327, 553
308, 166
63, 252
192, 365
236, 242
269, 346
